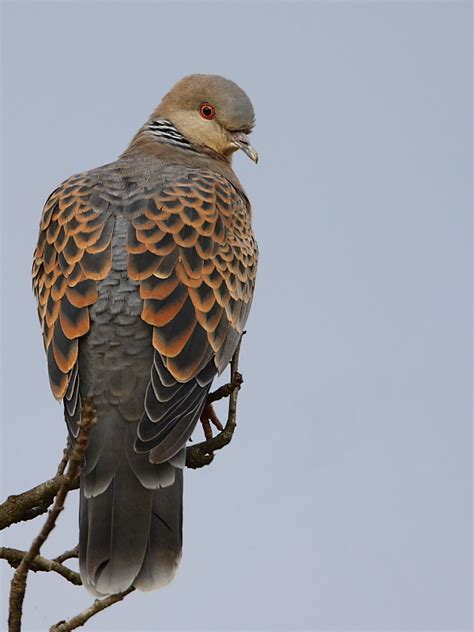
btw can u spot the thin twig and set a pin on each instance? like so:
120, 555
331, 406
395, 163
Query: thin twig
225, 390
39, 563
80, 619
63, 462
18, 584
202, 454
67, 555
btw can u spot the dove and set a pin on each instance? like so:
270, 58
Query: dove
144, 273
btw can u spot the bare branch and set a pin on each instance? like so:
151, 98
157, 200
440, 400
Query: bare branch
80, 619
18, 584
63, 462
39, 563
67, 555
225, 390
31, 503
202, 454
36, 501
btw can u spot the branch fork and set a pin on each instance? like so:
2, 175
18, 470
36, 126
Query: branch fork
36, 501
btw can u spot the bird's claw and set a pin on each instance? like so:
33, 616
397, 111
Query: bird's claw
208, 417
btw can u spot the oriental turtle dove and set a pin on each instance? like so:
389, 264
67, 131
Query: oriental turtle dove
144, 274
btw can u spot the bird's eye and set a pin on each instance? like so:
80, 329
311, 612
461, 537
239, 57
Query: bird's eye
207, 111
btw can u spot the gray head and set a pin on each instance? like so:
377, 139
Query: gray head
212, 112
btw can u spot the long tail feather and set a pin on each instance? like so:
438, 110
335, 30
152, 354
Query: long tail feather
130, 517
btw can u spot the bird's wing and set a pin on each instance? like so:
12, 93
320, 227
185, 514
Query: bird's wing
192, 250
72, 254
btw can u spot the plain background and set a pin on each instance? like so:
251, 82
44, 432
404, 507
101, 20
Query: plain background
344, 502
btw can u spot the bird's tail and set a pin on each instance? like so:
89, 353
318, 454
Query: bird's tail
130, 514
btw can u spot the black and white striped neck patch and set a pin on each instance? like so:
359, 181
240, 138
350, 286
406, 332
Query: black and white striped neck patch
165, 130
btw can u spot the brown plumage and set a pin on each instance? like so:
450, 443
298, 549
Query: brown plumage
73, 252
144, 274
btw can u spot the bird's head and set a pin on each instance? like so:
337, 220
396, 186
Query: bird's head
211, 112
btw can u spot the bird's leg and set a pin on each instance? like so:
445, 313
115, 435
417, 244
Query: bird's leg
208, 417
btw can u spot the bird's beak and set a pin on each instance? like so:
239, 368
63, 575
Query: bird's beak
241, 141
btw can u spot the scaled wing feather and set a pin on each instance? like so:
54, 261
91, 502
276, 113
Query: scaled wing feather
192, 249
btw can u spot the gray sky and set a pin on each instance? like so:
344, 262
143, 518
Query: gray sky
344, 502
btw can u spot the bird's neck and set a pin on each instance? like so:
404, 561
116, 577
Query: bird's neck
160, 141
164, 131
158, 133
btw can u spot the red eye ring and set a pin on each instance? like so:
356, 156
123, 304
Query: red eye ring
207, 111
